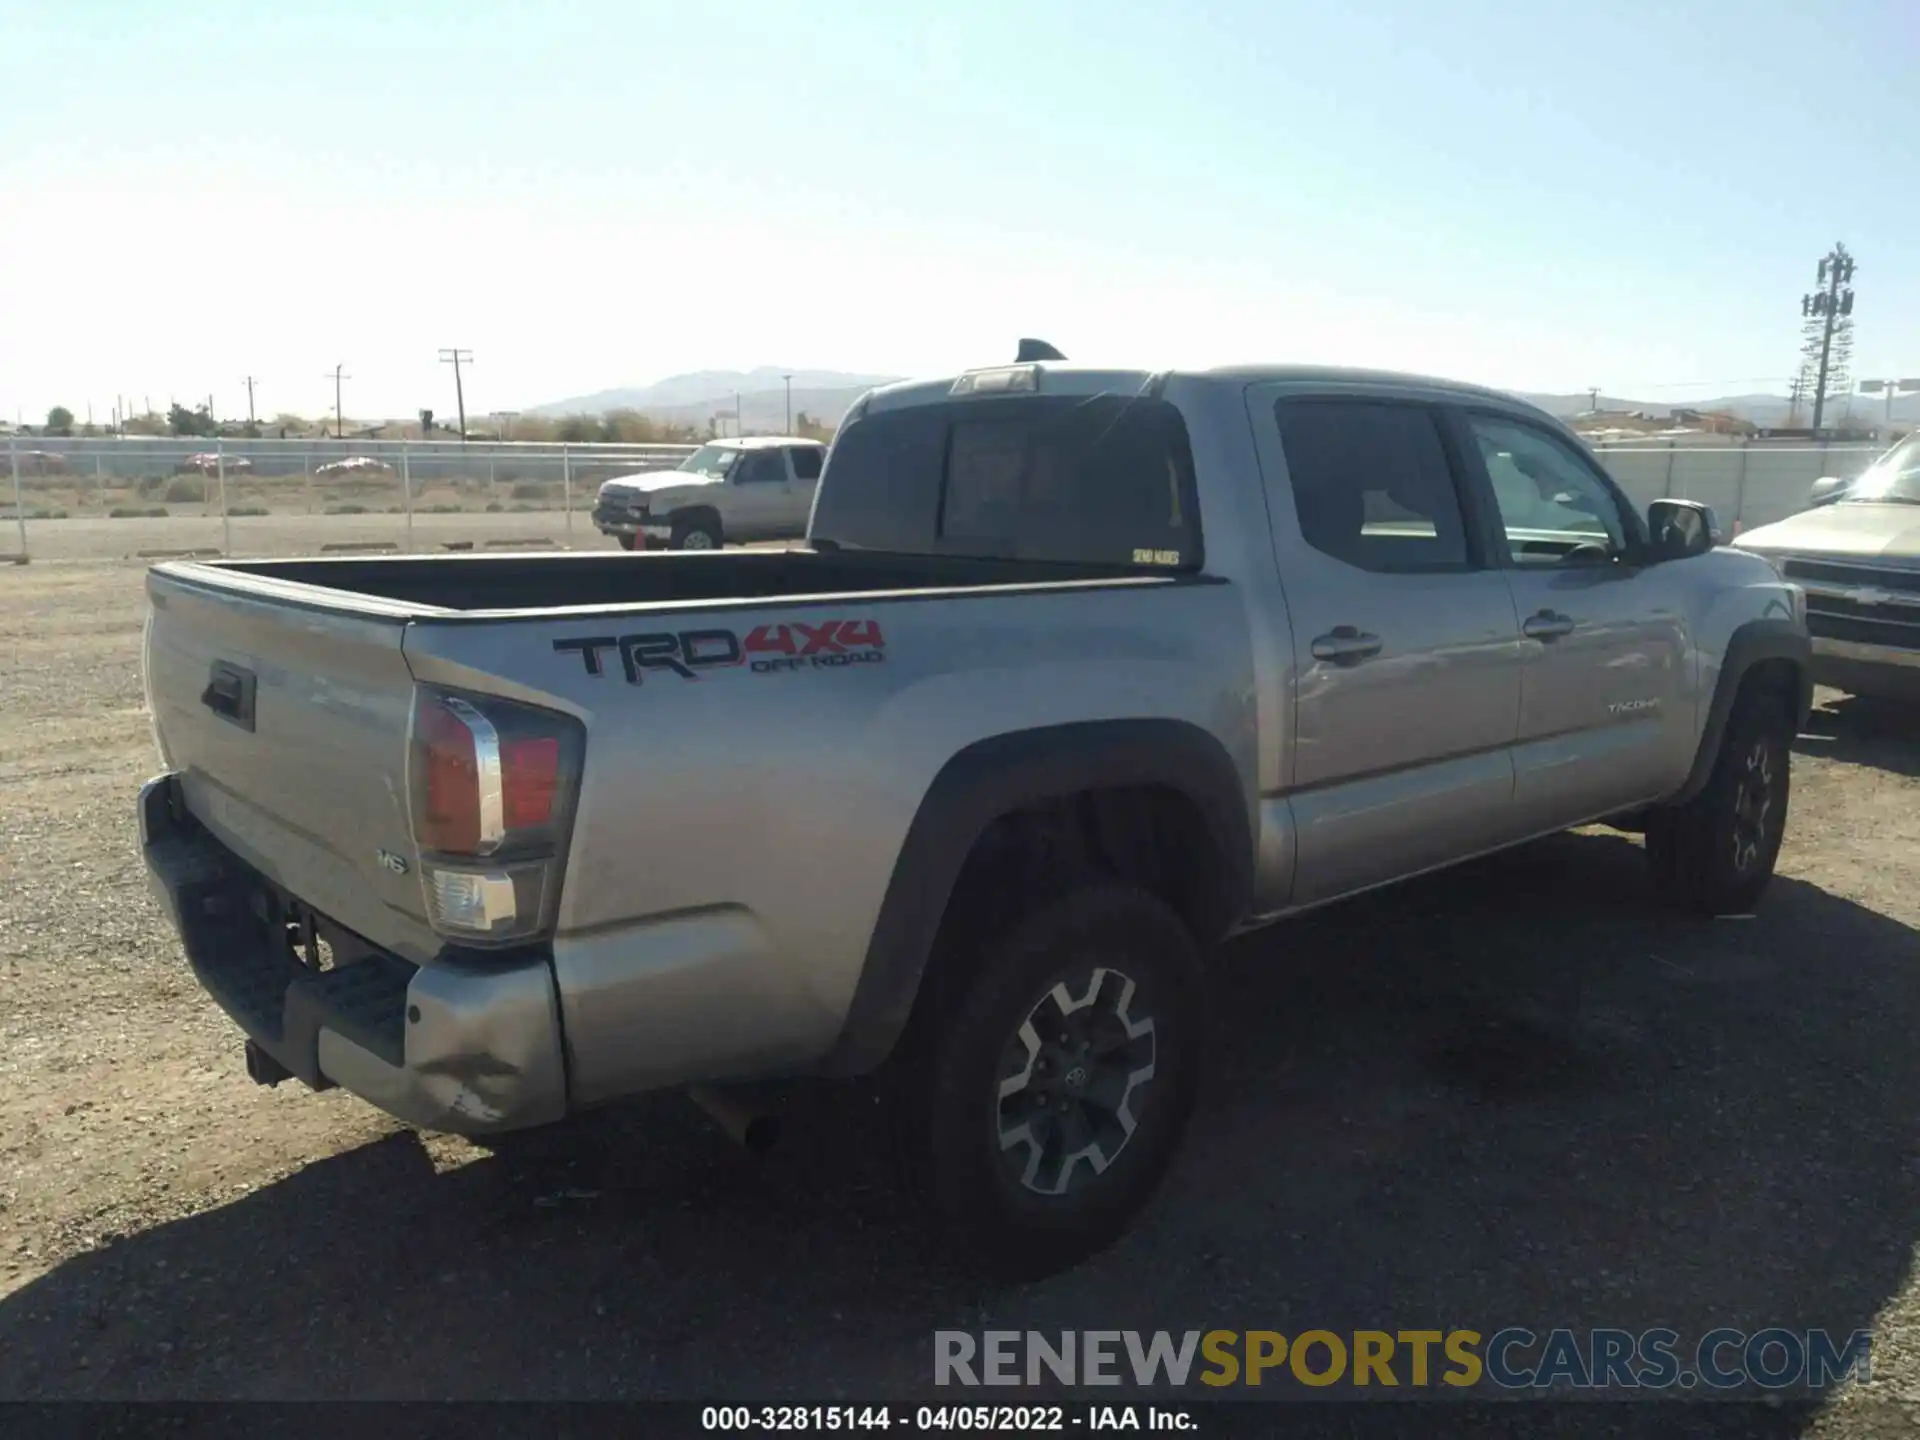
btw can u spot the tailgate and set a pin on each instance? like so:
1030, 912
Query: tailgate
288, 727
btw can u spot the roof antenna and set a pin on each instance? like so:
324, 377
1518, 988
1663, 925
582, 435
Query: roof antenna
1031, 350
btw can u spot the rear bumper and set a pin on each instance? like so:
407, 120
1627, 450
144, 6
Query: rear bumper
467, 1048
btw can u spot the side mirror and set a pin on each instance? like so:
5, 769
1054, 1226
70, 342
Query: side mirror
1826, 490
1679, 528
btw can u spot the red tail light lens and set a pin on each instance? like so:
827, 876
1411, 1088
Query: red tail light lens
530, 780
490, 777
446, 780
492, 785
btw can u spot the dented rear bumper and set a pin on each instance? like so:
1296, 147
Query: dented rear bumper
468, 1047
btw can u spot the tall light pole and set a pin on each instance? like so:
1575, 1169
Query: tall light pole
250, 419
788, 380
339, 373
738, 428
457, 358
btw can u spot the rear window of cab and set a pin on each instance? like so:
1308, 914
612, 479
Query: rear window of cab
1103, 479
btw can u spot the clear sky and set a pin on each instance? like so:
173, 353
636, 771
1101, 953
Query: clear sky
1538, 195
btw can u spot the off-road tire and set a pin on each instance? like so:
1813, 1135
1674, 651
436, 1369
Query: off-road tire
627, 542
952, 1116
1715, 854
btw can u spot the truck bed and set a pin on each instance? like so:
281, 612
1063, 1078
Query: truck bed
596, 580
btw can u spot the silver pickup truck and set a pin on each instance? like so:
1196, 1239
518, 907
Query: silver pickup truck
759, 488
1079, 672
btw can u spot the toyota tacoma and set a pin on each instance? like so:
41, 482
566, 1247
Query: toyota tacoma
1077, 673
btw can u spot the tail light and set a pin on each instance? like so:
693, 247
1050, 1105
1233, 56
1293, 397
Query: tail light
492, 785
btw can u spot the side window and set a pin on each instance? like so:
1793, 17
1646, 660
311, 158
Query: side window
762, 467
1372, 486
806, 461
1554, 508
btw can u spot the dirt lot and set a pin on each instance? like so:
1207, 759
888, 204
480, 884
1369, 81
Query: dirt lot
1511, 1095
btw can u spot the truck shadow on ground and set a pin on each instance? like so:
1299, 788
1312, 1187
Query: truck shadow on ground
1864, 730
1513, 1094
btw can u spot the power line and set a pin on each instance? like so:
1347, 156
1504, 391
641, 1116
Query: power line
456, 358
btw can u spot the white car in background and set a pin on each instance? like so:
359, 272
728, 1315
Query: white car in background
756, 488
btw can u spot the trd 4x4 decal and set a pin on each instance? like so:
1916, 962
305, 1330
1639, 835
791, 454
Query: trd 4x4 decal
765, 650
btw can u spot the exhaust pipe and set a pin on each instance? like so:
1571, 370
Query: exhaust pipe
745, 1112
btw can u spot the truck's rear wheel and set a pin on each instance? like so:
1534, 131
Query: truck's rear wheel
699, 532
627, 542
1715, 854
1039, 1114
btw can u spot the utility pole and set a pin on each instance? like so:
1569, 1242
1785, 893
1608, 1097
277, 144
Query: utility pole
457, 358
339, 373
738, 428
250, 419
1831, 306
788, 379
1593, 399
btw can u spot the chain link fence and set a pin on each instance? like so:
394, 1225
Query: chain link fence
146, 497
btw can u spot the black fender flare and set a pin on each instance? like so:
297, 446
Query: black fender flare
1004, 773
1770, 638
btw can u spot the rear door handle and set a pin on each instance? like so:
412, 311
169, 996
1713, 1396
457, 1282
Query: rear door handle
229, 693
1345, 645
1547, 625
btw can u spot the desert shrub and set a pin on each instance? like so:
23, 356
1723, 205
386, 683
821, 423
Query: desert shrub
138, 512
186, 490
248, 510
346, 509
530, 489
441, 509
494, 507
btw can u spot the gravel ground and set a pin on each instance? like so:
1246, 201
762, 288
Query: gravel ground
1509, 1095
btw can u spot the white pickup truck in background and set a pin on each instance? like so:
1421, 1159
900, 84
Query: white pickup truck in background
757, 488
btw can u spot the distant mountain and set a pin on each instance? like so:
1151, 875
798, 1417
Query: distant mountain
1763, 410
698, 396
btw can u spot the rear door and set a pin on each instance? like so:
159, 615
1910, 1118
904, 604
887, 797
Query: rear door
1606, 709
1408, 688
288, 726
